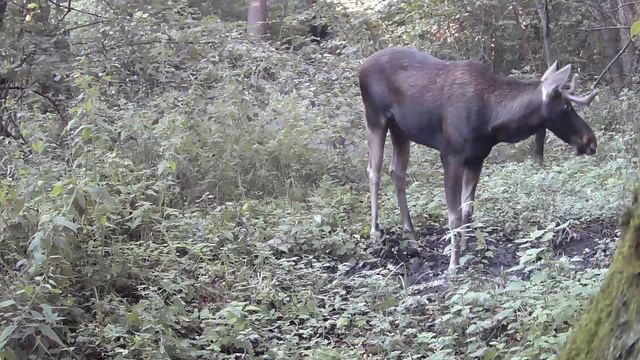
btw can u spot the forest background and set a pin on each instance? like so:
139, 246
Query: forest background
175, 187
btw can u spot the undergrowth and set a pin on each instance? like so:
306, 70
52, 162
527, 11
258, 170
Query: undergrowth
228, 215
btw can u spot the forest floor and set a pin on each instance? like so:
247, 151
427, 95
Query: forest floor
240, 230
589, 246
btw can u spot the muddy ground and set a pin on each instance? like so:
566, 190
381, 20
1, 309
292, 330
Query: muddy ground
589, 245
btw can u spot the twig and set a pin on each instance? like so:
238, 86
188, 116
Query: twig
605, 28
67, 12
615, 58
148, 42
11, 88
19, 132
108, 5
86, 25
69, 8
622, 5
64, 119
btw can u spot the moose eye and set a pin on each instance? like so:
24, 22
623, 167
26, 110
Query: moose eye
566, 107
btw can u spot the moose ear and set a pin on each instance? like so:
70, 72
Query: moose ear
555, 81
550, 71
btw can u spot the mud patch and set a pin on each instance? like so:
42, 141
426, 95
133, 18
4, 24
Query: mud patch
587, 245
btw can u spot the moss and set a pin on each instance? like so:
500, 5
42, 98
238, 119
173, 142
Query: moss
610, 325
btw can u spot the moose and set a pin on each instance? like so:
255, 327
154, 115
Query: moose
462, 109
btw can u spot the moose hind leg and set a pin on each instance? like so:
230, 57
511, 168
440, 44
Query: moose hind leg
469, 184
398, 171
375, 139
453, 173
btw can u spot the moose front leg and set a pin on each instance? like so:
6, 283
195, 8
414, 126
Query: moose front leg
453, 174
469, 184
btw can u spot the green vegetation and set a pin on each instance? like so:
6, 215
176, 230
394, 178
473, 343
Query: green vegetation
175, 190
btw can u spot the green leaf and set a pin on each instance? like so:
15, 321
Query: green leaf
6, 334
8, 354
171, 165
48, 332
635, 28
490, 354
37, 146
49, 315
116, 269
57, 189
538, 277
516, 285
6, 303
62, 221
85, 134
504, 314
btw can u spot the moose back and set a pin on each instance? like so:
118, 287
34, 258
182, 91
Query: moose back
462, 109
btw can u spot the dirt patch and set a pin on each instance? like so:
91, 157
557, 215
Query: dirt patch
588, 245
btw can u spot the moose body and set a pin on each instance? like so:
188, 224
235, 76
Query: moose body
462, 109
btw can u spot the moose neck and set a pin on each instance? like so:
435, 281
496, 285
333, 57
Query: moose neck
515, 109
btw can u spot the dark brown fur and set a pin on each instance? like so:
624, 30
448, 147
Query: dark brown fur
460, 108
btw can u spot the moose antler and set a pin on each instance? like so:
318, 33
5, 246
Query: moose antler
570, 93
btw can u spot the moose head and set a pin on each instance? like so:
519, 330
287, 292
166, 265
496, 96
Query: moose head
558, 113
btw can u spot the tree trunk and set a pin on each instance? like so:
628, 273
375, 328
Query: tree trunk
610, 325
627, 14
3, 10
257, 19
610, 41
542, 7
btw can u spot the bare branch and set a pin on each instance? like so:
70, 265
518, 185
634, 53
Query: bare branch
55, 105
86, 25
67, 12
19, 132
611, 63
622, 5
605, 28
69, 8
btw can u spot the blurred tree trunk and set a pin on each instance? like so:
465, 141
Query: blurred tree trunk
257, 19
610, 325
3, 10
542, 7
611, 44
610, 40
627, 13
4, 83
